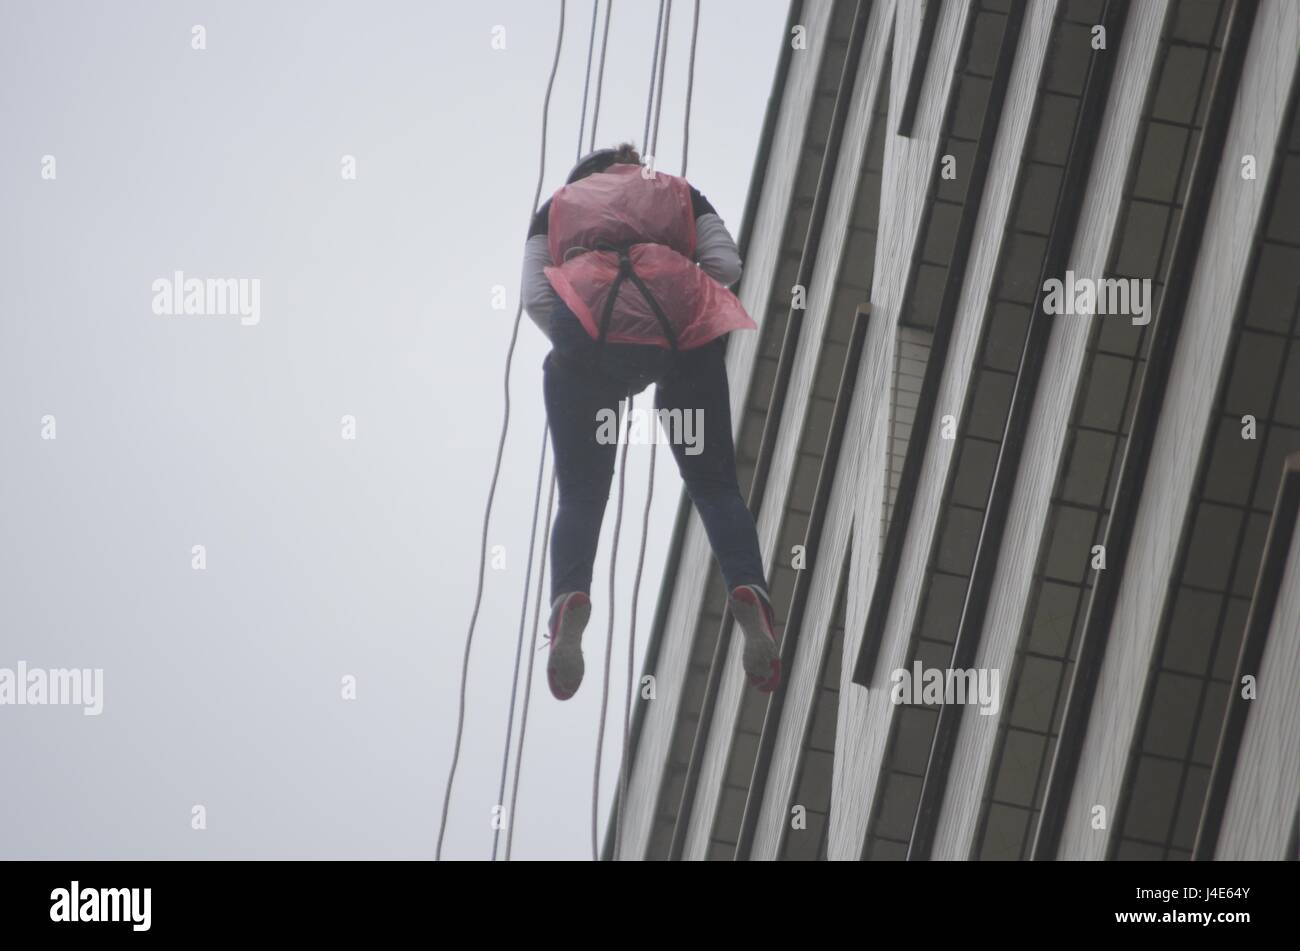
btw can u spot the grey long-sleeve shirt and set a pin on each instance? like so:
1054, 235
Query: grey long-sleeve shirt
715, 252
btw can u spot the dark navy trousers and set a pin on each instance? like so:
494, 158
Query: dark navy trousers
581, 380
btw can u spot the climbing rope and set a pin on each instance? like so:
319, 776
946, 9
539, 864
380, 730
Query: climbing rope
625, 766
654, 73
600, 73
659, 92
519, 643
631, 658
650, 137
586, 84
514, 689
496, 469
690, 87
528, 678
656, 87
609, 641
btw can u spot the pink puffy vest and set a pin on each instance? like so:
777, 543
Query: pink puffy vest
653, 220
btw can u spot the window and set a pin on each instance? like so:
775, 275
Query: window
1098, 432
1223, 543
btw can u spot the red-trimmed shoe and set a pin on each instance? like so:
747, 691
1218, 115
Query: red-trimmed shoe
762, 657
564, 667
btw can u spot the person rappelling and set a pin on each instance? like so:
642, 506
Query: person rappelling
626, 271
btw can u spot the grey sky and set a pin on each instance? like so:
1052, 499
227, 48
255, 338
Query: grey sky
326, 557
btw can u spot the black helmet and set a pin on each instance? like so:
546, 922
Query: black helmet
591, 163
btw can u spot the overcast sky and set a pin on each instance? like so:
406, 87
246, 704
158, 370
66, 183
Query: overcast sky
129, 155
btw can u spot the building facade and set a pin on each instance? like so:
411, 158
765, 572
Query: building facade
1020, 428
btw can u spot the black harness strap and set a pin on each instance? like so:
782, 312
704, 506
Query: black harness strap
626, 272
654, 306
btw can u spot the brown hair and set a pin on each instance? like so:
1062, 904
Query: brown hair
626, 154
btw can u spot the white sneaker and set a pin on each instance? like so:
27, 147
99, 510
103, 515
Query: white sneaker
564, 666
762, 657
